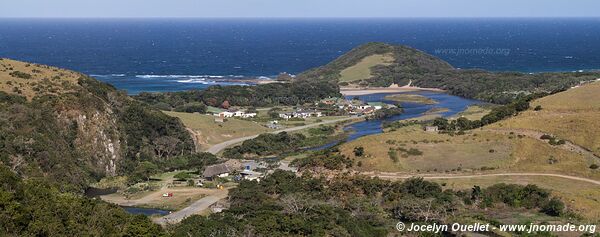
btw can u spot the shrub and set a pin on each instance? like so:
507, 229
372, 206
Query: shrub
414, 152
393, 155
20, 75
594, 166
359, 151
554, 207
546, 137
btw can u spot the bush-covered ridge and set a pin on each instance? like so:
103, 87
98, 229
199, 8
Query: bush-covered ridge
73, 129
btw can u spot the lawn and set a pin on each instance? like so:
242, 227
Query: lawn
208, 132
362, 70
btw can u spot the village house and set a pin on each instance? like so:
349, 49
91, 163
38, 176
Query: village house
301, 114
249, 115
235, 113
251, 175
219, 170
226, 114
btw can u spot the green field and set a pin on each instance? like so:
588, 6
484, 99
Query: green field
208, 132
362, 70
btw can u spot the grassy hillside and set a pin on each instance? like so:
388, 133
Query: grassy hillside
572, 115
209, 133
365, 66
73, 129
362, 70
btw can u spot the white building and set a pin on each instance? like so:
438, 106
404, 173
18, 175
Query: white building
249, 115
226, 114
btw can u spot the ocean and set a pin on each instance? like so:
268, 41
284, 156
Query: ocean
180, 54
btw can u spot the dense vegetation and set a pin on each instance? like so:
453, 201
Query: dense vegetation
284, 204
266, 144
329, 159
35, 208
424, 70
81, 130
293, 93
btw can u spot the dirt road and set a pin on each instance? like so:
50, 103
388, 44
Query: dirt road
433, 176
219, 147
193, 209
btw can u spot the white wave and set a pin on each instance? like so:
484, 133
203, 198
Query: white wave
179, 76
201, 81
107, 75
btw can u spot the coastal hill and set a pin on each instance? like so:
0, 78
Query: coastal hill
73, 129
375, 61
571, 115
382, 65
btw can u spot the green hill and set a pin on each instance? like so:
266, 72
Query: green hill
381, 65
377, 60
72, 129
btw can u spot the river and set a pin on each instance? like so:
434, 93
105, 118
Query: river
454, 104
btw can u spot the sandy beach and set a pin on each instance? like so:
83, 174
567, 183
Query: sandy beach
351, 91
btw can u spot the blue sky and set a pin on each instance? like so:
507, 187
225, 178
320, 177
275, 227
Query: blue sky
300, 8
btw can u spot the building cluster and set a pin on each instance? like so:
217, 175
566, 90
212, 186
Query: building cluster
235, 113
301, 114
355, 107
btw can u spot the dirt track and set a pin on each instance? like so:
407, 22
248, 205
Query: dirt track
406, 176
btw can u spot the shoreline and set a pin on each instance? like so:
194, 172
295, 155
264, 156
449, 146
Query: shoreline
351, 91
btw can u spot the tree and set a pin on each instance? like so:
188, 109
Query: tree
165, 146
274, 113
193, 107
441, 123
145, 169
359, 151
225, 104
554, 207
